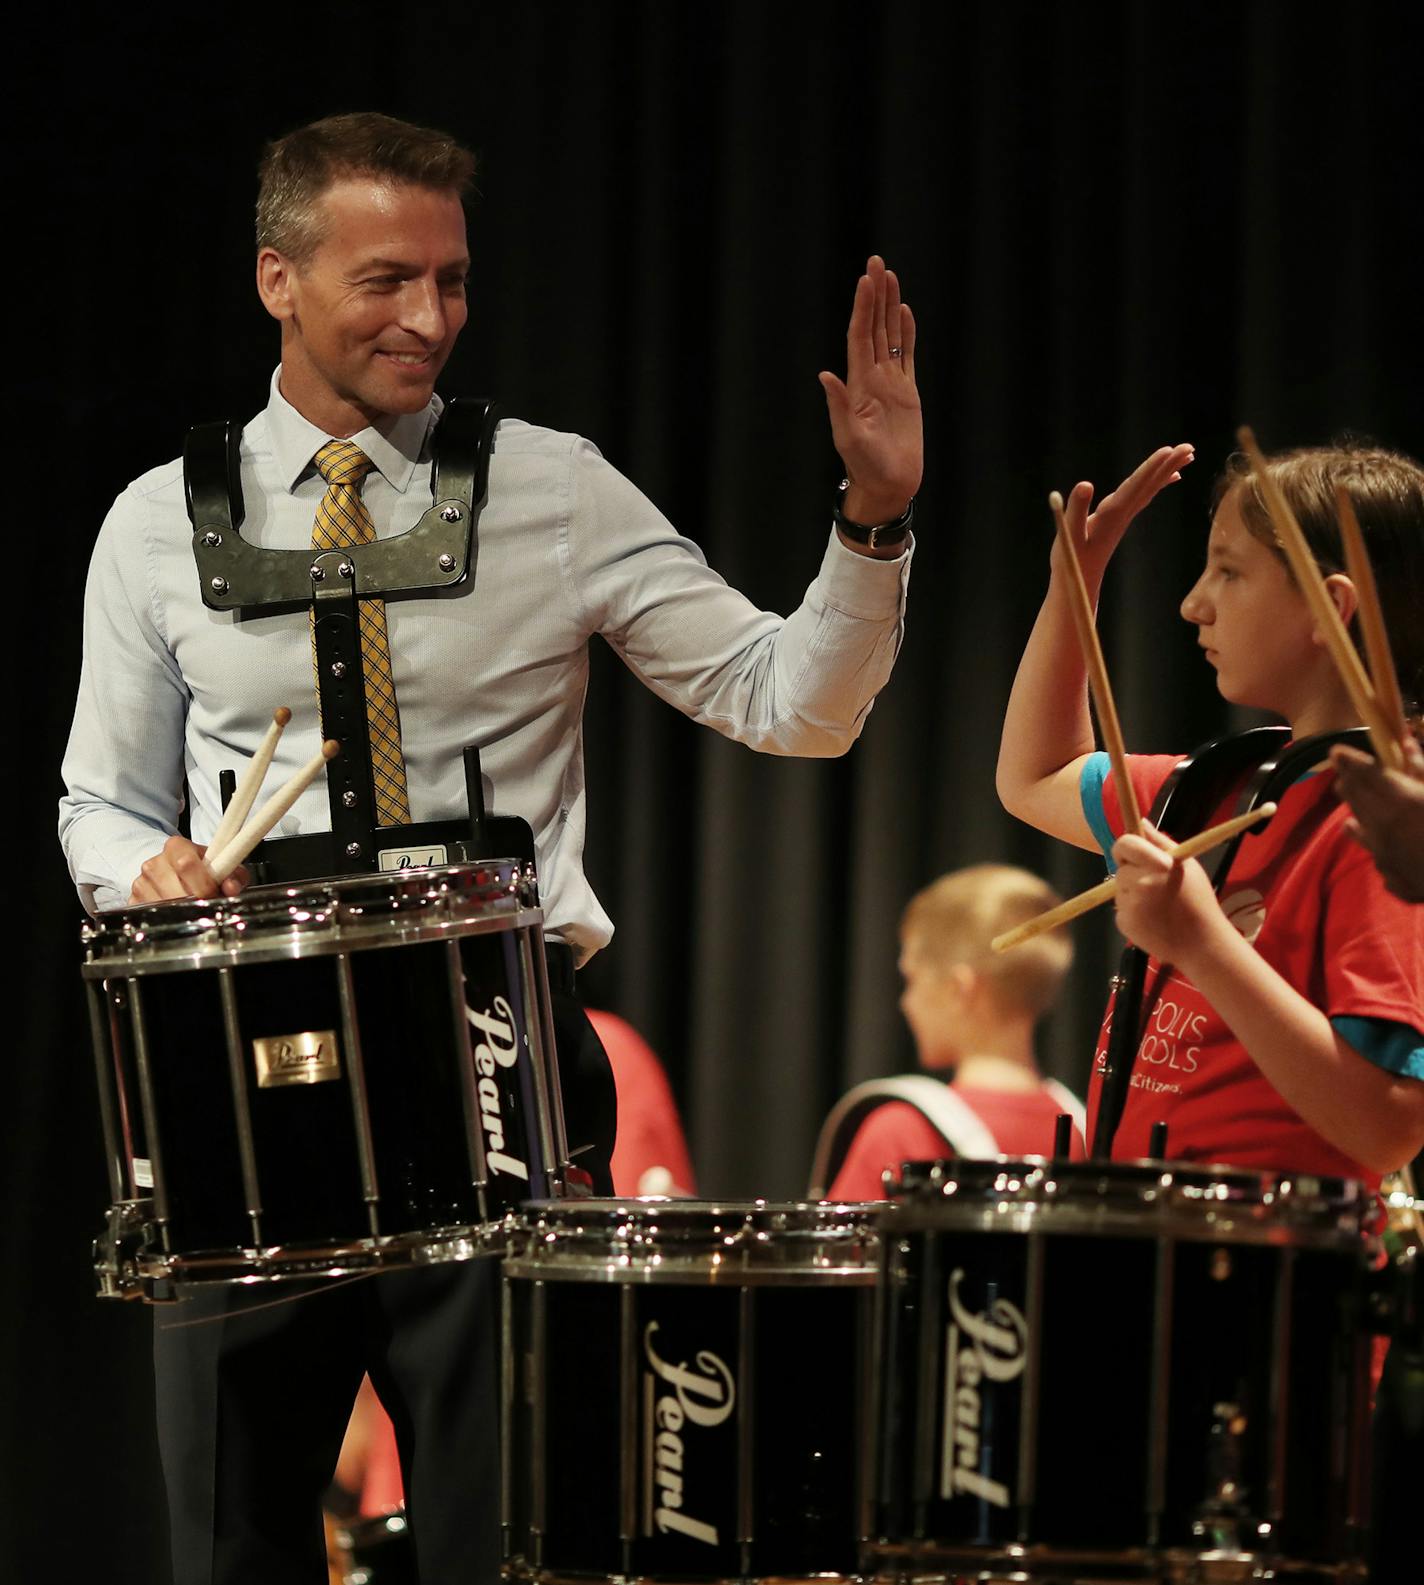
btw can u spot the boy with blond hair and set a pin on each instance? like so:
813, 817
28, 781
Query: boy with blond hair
972, 1014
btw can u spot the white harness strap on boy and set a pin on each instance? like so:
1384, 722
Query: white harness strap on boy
965, 1132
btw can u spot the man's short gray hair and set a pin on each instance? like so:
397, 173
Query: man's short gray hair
298, 168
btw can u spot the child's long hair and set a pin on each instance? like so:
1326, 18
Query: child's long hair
1387, 491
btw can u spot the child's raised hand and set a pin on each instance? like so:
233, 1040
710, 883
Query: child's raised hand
1164, 905
1095, 535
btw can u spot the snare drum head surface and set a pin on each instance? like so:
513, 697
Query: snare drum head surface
1180, 1199
343, 913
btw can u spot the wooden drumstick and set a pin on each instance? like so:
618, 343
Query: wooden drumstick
251, 783
1104, 892
1082, 608
1372, 629
1312, 586
270, 813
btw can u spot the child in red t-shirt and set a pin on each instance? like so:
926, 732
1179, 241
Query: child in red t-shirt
972, 1016
1289, 1034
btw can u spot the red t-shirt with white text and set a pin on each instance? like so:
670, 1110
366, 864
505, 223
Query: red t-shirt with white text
1309, 899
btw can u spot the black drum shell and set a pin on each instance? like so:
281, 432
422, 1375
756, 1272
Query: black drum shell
761, 1314
1098, 1321
398, 971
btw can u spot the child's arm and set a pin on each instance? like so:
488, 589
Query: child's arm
1048, 732
1169, 909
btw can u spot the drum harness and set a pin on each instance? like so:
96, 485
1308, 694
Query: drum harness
439, 552
1270, 764
965, 1132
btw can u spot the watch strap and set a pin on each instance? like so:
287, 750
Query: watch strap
873, 535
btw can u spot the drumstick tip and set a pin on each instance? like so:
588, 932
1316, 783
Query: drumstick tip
1055, 501
330, 749
281, 715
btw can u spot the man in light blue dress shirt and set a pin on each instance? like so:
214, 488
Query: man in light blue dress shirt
362, 261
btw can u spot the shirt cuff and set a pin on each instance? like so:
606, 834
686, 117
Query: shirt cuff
1090, 793
864, 586
1397, 1048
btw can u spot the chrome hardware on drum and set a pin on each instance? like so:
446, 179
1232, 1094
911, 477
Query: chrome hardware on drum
375, 1550
1144, 1371
686, 1390
310, 1080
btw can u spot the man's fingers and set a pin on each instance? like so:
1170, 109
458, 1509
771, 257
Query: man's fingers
860, 342
837, 396
177, 870
892, 315
907, 339
880, 344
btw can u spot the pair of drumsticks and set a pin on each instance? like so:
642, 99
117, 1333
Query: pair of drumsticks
1374, 695
233, 841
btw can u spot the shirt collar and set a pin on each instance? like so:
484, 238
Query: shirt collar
394, 453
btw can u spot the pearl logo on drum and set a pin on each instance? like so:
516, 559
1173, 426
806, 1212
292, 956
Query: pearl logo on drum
498, 1049
990, 1346
311, 1057
704, 1396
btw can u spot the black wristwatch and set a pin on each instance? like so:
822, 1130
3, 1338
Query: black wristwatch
873, 536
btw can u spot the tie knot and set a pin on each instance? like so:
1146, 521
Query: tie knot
341, 462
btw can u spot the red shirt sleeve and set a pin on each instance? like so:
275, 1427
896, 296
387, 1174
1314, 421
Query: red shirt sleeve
1148, 772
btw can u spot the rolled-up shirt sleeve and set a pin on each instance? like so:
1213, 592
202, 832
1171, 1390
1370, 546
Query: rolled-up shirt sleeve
801, 684
123, 766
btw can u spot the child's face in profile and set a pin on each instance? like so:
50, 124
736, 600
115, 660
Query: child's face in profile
1251, 620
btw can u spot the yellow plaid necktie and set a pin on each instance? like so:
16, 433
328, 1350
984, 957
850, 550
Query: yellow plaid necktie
341, 520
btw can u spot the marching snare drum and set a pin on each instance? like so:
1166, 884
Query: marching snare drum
686, 1390
1143, 1371
317, 1079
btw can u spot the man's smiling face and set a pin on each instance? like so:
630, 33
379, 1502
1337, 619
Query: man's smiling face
369, 320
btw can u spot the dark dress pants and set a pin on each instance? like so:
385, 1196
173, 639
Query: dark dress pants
254, 1391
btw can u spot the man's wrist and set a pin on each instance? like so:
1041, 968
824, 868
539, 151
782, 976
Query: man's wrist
871, 534
861, 506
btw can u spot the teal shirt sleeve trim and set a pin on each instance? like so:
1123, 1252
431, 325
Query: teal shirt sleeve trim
1090, 793
1397, 1048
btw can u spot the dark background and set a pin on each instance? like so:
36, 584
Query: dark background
1119, 225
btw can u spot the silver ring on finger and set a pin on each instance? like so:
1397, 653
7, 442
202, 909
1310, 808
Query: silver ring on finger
897, 352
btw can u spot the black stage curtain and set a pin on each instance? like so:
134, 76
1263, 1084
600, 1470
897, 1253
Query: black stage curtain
1119, 225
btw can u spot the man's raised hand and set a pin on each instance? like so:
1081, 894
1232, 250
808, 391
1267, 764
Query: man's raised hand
875, 411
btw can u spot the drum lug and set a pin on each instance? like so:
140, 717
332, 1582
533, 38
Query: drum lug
128, 1232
